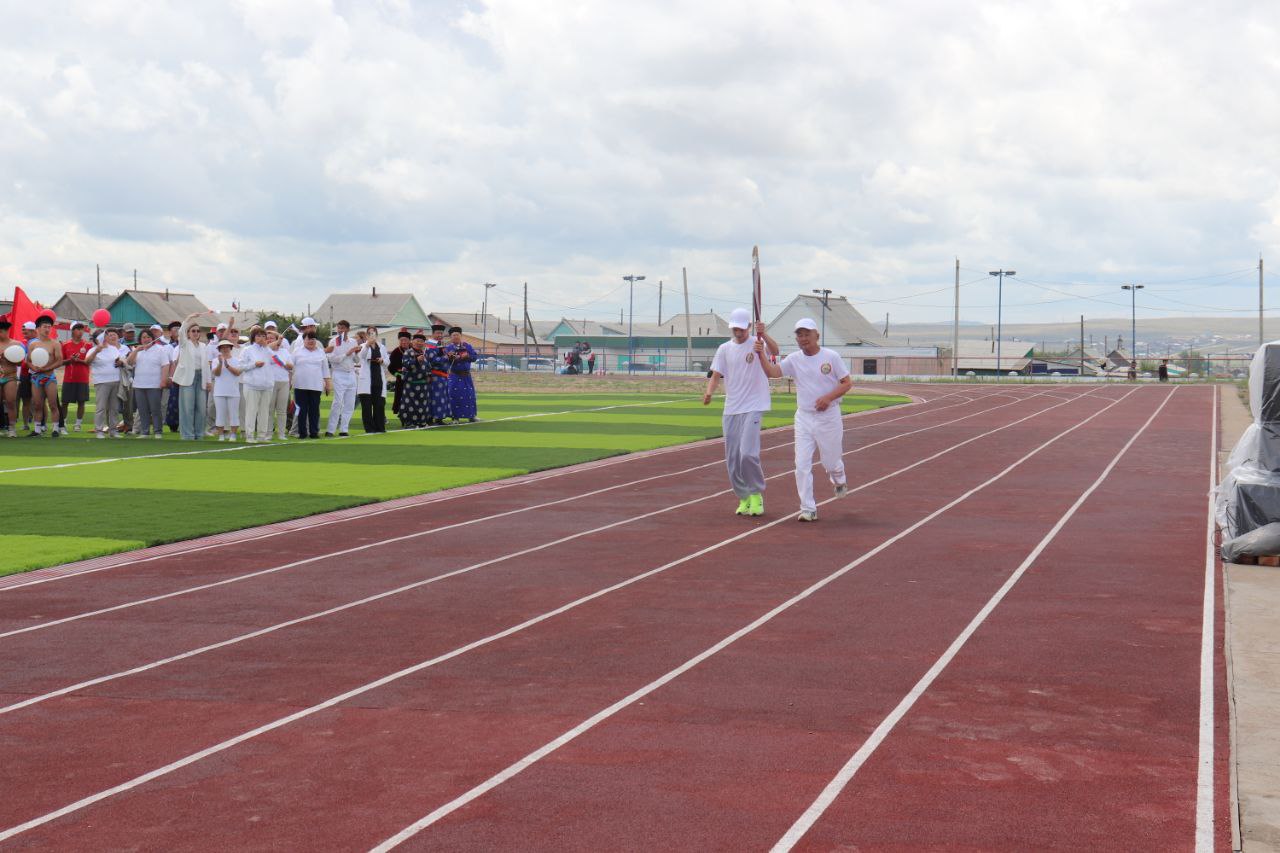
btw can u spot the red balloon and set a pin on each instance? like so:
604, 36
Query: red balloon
101, 317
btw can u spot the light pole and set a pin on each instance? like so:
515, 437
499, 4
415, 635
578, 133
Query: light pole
1133, 319
631, 305
824, 293
484, 335
1000, 276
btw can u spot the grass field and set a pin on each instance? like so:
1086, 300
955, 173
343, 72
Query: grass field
107, 496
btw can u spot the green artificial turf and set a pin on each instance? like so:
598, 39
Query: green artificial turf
115, 495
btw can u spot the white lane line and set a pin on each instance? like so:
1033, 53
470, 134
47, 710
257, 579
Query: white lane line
39, 626
851, 767
1205, 817
204, 547
63, 691
492, 638
591, 722
240, 447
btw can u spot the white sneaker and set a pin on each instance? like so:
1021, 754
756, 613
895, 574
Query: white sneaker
100, 435
807, 516
77, 427
157, 436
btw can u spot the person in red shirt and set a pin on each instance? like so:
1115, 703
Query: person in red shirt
75, 375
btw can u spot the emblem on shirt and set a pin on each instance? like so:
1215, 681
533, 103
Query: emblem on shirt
751, 357
826, 367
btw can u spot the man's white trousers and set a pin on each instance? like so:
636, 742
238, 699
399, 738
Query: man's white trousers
822, 432
344, 402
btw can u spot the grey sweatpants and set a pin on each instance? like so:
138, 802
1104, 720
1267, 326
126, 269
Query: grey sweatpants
742, 453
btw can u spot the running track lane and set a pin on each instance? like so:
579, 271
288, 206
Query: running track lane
788, 536
109, 642
286, 669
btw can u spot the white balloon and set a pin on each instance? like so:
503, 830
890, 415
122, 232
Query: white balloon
39, 357
14, 353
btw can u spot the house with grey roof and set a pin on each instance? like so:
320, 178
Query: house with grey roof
80, 306
383, 310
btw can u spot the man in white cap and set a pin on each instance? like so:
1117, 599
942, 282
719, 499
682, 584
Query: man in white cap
746, 399
821, 380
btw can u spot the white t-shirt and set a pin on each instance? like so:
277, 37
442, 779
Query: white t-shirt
746, 388
150, 364
815, 375
104, 368
226, 383
310, 369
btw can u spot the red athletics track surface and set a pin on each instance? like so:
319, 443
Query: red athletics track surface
993, 643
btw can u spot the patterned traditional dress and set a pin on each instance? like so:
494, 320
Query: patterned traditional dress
439, 383
462, 391
415, 399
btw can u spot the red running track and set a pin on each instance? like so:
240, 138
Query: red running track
994, 643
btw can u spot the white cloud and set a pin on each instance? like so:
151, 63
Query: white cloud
279, 150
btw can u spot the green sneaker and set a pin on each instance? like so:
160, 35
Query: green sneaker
756, 505
744, 507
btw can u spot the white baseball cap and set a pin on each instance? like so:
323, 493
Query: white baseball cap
157, 327
222, 327
309, 321
29, 325
271, 324
740, 319
806, 323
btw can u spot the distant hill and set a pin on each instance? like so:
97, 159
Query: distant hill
1233, 333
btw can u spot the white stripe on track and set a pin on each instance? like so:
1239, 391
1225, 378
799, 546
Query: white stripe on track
1205, 816
492, 638
591, 722
93, 682
846, 773
240, 447
39, 626
203, 548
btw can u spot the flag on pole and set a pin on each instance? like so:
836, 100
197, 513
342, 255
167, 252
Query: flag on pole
24, 310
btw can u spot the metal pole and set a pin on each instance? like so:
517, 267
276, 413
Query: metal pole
1261, 338
1133, 327
1082, 346
955, 329
688, 335
659, 302
526, 324
1000, 274
631, 341
484, 311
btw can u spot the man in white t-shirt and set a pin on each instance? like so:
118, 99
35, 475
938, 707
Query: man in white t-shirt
746, 399
821, 380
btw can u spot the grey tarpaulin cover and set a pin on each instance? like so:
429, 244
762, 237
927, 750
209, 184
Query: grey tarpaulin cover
1256, 543
1249, 495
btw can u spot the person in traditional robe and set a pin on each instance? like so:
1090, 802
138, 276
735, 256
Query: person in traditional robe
439, 364
393, 365
415, 370
462, 391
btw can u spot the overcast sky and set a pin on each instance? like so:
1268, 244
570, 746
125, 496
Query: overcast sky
272, 152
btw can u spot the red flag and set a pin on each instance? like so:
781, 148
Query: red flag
24, 311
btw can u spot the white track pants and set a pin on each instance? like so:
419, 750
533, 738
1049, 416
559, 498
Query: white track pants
823, 432
344, 402
257, 413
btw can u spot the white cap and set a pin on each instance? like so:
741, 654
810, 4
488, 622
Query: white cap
29, 325
309, 321
806, 323
740, 319
157, 326
271, 324
222, 327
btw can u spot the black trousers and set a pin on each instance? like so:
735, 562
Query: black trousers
373, 411
308, 414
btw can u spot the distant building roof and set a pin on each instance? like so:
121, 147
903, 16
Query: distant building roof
372, 309
981, 355
80, 306
160, 307
843, 323
709, 323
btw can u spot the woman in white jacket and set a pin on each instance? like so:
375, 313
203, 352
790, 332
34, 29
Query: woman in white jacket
257, 384
372, 381
190, 374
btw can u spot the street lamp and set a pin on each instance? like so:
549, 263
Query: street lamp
1000, 275
631, 299
1133, 319
484, 335
824, 293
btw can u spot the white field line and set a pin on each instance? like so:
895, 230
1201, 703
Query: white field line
239, 447
420, 533
203, 548
851, 767
591, 722
63, 691
1204, 771
492, 638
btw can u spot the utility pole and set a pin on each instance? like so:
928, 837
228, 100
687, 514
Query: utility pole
659, 302
955, 329
99, 268
527, 330
824, 294
135, 280
631, 316
1261, 339
1133, 320
688, 336
1082, 345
